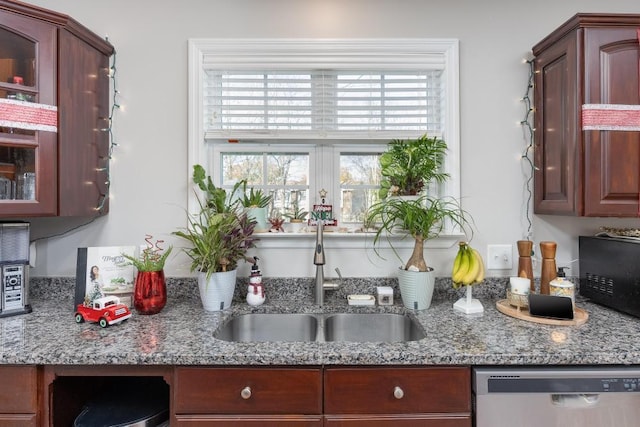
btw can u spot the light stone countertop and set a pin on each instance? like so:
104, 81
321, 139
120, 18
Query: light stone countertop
182, 334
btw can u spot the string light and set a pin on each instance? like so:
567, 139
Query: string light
115, 105
528, 135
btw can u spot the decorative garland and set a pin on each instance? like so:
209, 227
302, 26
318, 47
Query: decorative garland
528, 134
112, 142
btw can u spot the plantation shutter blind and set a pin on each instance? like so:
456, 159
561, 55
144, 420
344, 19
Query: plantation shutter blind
315, 89
345, 104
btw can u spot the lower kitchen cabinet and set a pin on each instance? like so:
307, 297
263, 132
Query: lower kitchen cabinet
18, 396
244, 396
397, 396
68, 389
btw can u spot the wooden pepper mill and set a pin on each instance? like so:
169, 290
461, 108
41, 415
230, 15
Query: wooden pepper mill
548, 251
525, 268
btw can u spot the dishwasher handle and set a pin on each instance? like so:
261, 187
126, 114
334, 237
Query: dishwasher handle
575, 400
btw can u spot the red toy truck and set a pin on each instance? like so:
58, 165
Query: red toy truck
106, 311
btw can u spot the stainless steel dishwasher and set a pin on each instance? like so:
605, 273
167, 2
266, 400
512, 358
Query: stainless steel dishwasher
557, 396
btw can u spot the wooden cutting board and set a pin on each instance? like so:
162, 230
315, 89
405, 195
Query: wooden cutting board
580, 316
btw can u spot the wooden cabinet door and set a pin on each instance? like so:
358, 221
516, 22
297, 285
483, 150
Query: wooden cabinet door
558, 183
612, 158
18, 396
28, 52
18, 390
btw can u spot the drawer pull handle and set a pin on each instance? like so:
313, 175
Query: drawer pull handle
246, 393
398, 393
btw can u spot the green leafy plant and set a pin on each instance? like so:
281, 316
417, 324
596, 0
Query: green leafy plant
216, 197
152, 257
296, 213
255, 198
220, 234
409, 165
423, 218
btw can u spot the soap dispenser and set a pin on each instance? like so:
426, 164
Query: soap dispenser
255, 291
561, 286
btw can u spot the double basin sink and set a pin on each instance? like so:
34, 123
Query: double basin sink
296, 327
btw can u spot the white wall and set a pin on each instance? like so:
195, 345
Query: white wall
149, 173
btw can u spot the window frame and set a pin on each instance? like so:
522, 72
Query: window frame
300, 53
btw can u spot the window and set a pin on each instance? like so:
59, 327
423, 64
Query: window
297, 116
281, 172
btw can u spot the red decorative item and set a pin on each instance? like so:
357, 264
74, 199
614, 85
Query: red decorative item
150, 292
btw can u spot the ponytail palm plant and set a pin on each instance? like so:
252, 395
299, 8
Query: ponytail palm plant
422, 218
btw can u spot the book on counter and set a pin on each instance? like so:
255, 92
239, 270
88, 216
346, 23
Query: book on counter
103, 271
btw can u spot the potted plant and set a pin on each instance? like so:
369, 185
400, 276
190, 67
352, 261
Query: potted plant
220, 235
150, 289
409, 165
422, 218
297, 216
255, 203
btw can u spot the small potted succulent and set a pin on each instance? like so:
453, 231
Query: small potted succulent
297, 216
150, 290
255, 203
408, 166
220, 235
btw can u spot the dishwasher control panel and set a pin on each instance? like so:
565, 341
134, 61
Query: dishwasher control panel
511, 384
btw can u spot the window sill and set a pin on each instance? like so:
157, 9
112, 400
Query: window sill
342, 240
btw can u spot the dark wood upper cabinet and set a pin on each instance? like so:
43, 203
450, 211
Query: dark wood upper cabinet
48, 59
590, 59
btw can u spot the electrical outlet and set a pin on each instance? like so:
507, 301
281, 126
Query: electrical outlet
499, 257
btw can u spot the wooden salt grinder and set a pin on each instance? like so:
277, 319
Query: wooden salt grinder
548, 251
525, 268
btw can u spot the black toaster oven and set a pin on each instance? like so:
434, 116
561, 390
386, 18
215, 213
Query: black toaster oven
610, 272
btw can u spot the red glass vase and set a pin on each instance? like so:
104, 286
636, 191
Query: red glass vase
150, 292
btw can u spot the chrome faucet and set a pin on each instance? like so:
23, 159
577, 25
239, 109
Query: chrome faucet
319, 261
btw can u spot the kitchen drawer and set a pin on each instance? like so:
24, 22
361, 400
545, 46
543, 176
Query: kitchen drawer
250, 421
272, 390
396, 421
423, 390
18, 391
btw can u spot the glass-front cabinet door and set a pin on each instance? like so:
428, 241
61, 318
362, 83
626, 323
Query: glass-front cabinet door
28, 117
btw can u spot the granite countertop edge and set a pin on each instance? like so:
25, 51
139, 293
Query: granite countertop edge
182, 333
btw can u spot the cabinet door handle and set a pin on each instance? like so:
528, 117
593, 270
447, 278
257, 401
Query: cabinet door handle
246, 393
398, 393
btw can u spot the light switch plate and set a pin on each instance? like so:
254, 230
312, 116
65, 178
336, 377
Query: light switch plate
499, 257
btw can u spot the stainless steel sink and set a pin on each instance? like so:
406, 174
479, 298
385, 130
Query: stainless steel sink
371, 327
269, 327
294, 327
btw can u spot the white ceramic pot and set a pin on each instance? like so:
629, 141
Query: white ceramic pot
416, 288
295, 227
217, 292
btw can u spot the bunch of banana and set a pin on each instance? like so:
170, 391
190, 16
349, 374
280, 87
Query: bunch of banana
468, 267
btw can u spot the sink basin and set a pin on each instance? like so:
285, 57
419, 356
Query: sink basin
371, 327
257, 327
294, 327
